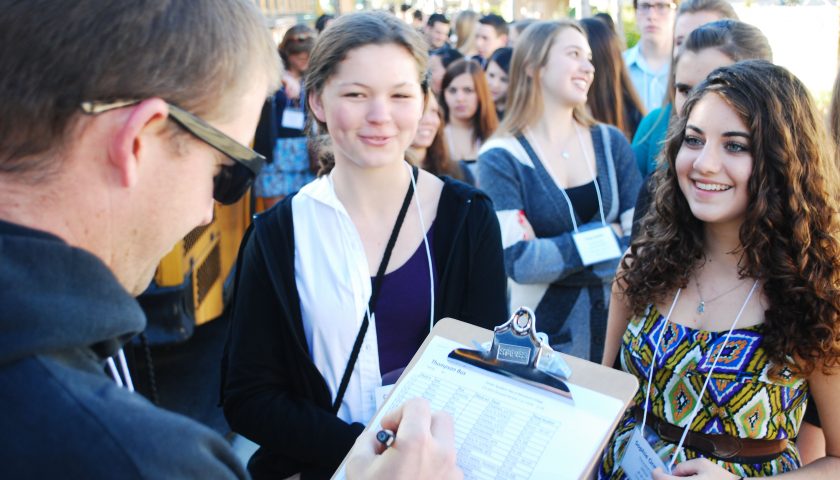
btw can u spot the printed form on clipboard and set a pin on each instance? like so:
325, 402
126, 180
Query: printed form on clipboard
512, 425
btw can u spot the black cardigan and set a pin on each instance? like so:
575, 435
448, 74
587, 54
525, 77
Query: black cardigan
272, 392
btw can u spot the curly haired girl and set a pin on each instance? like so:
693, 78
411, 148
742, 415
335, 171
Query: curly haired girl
727, 305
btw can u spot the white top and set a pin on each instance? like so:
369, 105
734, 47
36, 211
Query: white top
333, 282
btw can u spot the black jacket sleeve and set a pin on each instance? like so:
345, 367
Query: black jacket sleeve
273, 394
485, 294
266, 135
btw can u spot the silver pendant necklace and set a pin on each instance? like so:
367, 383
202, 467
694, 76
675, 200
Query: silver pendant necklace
701, 307
567, 154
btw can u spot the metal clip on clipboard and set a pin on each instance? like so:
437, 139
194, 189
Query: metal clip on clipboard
517, 352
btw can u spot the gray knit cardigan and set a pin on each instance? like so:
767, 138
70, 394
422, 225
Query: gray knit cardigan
546, 274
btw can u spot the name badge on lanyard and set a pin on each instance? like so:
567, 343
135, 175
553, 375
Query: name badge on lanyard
640, 460
596, 245
292, 118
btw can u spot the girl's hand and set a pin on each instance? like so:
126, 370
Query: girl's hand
698, 469
291, 85
617, 229
527, 229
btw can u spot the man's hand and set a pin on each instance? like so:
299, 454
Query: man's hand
424, 447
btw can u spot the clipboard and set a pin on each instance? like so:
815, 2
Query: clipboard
616, 387
520, 353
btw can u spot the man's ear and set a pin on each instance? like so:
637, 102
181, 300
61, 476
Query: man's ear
505, 39
138, 128
316, 107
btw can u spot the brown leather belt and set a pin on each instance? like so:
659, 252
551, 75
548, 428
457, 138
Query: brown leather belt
723, 447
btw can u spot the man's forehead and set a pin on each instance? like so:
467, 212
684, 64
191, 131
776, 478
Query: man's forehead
488, 30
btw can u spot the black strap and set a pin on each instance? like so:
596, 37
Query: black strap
377, 282
230, 308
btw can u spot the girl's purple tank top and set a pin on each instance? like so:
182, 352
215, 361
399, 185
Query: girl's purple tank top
402, 311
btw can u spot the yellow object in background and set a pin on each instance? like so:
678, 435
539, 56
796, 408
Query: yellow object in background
204, 258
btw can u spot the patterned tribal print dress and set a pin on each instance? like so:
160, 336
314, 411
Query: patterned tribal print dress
748, 396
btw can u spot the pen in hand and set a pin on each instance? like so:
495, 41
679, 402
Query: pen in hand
386, 437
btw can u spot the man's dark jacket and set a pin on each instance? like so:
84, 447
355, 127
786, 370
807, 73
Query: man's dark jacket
62, 312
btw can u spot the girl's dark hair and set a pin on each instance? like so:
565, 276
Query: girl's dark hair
321, 22
447, 55
612, 97
502, 58
607, 19
789, 236
834, 113
485, 121
721, 7
298, 39
735, 39
732, 37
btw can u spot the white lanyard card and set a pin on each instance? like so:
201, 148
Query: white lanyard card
292, 118
639, 457
596, 245
640, 460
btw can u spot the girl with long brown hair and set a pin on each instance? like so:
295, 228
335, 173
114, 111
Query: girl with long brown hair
727, 306
612, 98
468, 112
557, 178
428, 149
341, 282
497, 74
715, 44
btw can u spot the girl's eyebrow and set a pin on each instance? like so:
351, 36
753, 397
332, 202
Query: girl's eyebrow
724, 134
363, 85
737, 134
575, 47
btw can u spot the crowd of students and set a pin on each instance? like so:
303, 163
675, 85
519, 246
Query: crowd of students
540, 116
462, 170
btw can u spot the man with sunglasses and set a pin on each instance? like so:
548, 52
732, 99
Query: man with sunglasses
103, 168
118, 129
649, 61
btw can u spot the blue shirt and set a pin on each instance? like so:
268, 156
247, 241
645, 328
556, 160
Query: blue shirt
650, 85
650, 138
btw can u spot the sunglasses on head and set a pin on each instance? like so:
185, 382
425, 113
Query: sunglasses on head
233, 180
